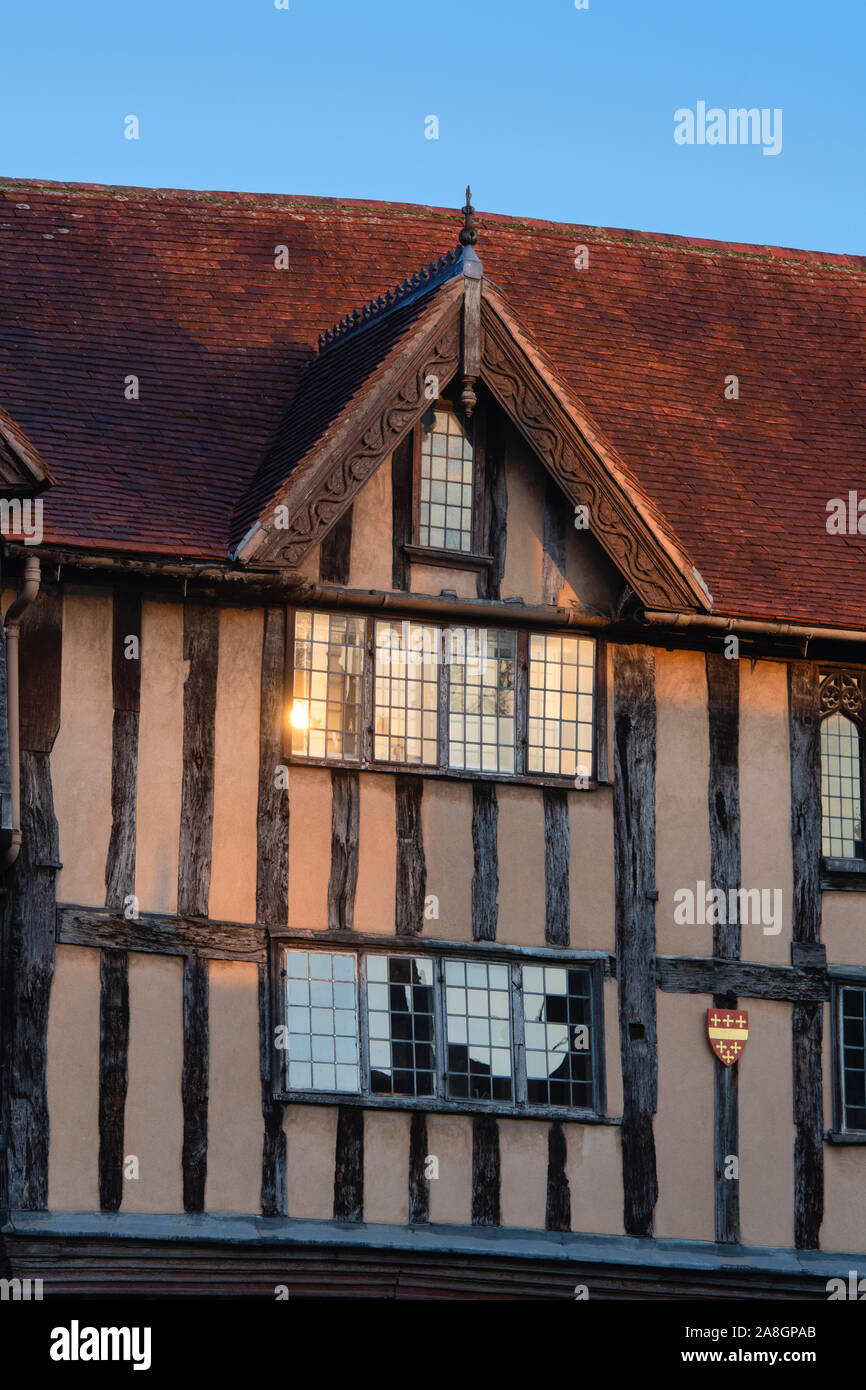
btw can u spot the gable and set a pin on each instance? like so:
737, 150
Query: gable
464, 326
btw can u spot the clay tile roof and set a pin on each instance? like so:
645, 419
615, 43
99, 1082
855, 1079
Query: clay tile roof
181, 291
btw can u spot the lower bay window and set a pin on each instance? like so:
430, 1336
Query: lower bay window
467, 700
444, 1030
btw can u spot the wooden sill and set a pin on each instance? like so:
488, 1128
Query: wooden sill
845, 875
446, 559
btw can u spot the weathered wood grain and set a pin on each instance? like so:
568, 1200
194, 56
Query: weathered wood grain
805, 744
701, 975
113, 1073
723, 800
201, 650
274, 1197
345, 840
125, 666
349, 1165
272, 893
419, 1183
808, 1034
485, 879
120, 860
557, 852
489, 582
411, 863
634, 863
163, 935
485, 1171
554, 514
39, 671
28, 968
807, 1018
401, 510
558, 1215
723, 790
27, 964
195, 1081
336, 550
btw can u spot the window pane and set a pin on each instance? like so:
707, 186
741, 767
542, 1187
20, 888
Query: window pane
561, 675
482, 694
558, 1021
445, 503
477, 1019
853, 1059
325, 716
400, 1014
842, 817
322, 1022
407, 693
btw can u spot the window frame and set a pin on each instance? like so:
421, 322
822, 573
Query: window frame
442, 555
595, 963
367, 762
842, 978
842, 873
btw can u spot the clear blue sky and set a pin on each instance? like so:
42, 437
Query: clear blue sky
550, 111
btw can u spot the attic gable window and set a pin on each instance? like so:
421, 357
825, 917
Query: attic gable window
445, 477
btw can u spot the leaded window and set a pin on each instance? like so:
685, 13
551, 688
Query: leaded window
401, 1027
560, 704
481, 700
842, 766
325, 715
407, 693
852, 1024
445, 481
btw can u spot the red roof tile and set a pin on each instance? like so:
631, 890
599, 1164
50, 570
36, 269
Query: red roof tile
180, 290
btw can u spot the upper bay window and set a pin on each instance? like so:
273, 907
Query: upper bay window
496, 701
842, 766
445, 481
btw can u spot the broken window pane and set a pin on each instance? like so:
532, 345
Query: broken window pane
400, 1019
557, 1012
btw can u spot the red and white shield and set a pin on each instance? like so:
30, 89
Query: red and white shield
728, 1031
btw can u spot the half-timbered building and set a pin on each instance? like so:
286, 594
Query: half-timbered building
433, 714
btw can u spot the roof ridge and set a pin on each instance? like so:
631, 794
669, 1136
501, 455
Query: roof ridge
379, 306
768, 252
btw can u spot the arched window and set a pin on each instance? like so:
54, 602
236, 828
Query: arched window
842, 768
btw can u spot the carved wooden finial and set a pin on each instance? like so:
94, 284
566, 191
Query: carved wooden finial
468, 235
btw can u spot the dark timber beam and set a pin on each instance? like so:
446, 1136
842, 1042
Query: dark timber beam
485, 1171
699, 975
345, 833
634, 862
119, 886
557, 853
163, 935
349, 1165
723, 799
201, 650
558, 1214
411, 863
485, 879
808, 1020
272, 892
29, 916
419, 1183
335, 552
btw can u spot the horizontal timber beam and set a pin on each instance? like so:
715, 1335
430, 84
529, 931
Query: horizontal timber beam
706, 975
162, 934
